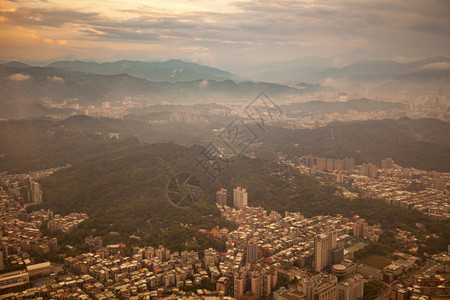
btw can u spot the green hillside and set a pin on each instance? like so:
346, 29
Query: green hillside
41, 144
126, 192
423, 144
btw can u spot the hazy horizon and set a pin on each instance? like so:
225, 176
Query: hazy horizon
233, 36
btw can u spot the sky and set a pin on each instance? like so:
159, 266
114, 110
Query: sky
232, 35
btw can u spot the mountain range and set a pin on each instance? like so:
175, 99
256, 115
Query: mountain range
319, 69
20, 83
172, 70
179, 81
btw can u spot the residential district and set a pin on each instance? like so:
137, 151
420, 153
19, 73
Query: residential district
269, 255
413, 189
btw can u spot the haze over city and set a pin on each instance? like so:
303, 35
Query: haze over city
249, 150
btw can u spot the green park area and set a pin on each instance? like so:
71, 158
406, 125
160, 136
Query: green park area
376, 261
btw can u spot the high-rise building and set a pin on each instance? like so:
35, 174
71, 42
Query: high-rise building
358, 228
256, 284
2, 264
339, 164
337, 255
362, 229
210, 257
36, 192
309, 161
351, 288
318, 287
267, 284
349, 163
369, 170
239, 198
221, 197
321, 248
333, 238
323, 244
330, 164
252, 250
321, 163
387, 163
239, 285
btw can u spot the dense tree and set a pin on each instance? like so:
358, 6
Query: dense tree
372, 288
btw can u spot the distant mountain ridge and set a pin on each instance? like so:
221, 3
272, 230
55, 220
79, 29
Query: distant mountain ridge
323, 69
21, 83
172, 70
372, 70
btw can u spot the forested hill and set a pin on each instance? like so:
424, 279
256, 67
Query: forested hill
38, 144
28, 145
122, 184
423, 143
126, 192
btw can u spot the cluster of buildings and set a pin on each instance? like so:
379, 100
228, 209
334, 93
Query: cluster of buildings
264, 248
21, 240
422, 287
188, 115
429, 106
15, 184
420, 107
312, 256
425, 191
363, 230
240, 197
322, 119
404, 263
327, 164
108, 109
20, 235
310, 252
12, 282
148, 272
407, 239
67, 223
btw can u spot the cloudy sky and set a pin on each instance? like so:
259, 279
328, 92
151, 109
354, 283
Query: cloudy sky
226, 34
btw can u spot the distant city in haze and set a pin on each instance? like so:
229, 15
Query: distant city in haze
225, 149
